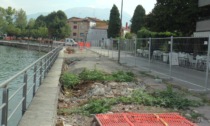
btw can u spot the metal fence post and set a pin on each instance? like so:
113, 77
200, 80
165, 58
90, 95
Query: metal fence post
135, 42
51, 44
119, 43
34, 86
207, 64
170, 59
28, 45
150, 54
40, 79
112, 47
5, 109
45, 66
24, 92
39, 47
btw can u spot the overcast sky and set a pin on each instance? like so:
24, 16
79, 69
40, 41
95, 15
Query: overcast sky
35, 6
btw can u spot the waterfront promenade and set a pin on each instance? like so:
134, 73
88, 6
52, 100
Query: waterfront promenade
43, 109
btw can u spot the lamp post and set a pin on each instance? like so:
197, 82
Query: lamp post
119, 44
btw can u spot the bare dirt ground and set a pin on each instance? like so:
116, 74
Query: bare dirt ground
76, 62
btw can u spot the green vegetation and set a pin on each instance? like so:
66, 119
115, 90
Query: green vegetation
69, 80
14, 23
92, 75
122, 76
114, 23
137, 19
174, 16
167, 99
96, 75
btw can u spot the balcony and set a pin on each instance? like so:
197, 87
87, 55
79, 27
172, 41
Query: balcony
202, 3
203, 25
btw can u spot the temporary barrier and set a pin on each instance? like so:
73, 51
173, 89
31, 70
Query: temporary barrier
136, 119
87, 44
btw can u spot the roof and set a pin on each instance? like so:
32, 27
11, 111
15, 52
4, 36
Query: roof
76, 19
101, 27
93, 19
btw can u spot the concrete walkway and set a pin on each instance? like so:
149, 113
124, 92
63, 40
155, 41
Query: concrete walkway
43, 109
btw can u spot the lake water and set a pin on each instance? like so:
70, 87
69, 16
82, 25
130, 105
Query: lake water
12, 61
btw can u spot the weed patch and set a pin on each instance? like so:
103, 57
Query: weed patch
166, 99
69, 80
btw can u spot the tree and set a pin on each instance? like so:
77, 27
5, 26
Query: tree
21, 20
173, 16
137, 19
57, 24
2, 20
114, 23
12, 30
40, 21
10, 15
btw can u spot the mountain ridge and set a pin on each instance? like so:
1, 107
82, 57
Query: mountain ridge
83, 12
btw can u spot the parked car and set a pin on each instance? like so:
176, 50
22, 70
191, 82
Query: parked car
70, 42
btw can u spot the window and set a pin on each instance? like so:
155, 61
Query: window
75, 27
74, 34
82, 34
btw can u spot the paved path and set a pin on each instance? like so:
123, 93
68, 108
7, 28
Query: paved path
43, 109
190, 78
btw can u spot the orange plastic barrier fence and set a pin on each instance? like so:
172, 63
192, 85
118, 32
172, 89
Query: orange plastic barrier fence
136, 119
87, 44
82, 44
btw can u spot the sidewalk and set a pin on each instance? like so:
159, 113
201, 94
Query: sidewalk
43, 109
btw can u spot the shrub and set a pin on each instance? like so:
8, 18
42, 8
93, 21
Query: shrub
122, 76
92, 75
69, 80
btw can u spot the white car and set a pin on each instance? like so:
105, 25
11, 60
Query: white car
70, 42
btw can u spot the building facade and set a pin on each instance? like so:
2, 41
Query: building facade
79, 28
97, 34
203, 25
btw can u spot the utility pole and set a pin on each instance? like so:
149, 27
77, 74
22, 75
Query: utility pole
119, 44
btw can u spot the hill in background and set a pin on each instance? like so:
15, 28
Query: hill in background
83, 12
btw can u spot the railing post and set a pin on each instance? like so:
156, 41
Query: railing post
135, 42
40, 79
51, 43
45, 66
207, 64
24, 92
5, 109
39, 47
34, 87
28, 45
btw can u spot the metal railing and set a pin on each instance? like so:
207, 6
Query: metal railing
19, 90
184, 59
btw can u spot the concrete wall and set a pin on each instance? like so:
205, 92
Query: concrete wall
96, 34
203, 25
202, 3
43, 48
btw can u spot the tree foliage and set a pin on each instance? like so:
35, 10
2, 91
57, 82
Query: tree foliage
21, 19
56, 23
173, 16
137, 19
14, 23
114, 23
